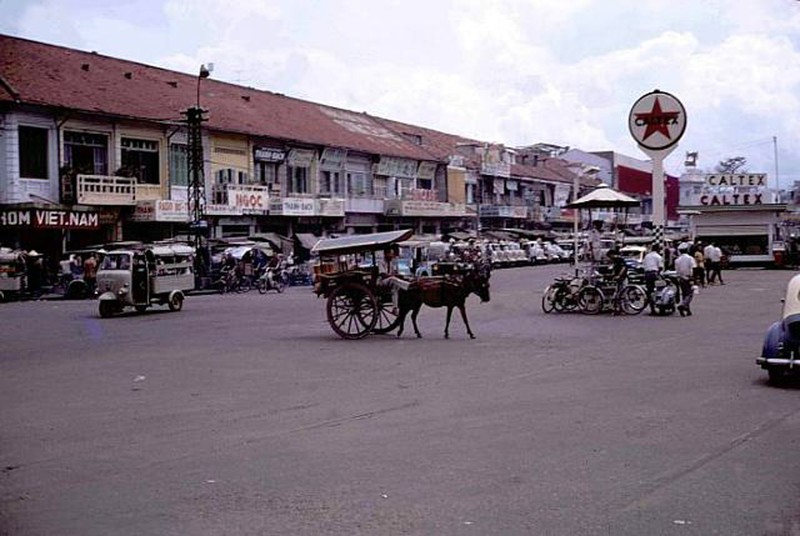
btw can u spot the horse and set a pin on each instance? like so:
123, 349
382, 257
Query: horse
448, 291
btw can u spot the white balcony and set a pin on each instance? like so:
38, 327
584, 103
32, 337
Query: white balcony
113, 190
106, 190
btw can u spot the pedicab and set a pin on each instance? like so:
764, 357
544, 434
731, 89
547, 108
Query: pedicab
359, 300
780, 354
12, 273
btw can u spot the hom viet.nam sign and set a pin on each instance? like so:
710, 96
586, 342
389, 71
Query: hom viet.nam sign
49, 219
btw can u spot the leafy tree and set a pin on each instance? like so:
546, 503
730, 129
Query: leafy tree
732, 165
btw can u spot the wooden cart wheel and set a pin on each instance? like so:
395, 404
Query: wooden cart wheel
352, 311
388, 317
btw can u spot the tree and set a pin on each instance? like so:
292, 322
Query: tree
732, 165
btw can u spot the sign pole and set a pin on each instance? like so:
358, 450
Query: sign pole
659, 213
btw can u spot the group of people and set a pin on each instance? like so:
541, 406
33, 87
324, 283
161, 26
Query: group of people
694, 264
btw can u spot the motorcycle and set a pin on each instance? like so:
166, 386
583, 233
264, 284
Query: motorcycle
665, 295
272, 279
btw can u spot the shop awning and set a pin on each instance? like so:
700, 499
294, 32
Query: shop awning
731, 230
306, 240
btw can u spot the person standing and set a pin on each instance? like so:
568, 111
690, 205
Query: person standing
700, 265
90, 273
595, 244
652, 264
684, 266
708, 253
718, 256
619, 275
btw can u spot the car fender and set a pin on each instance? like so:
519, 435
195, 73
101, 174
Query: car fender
773, 342
107, 296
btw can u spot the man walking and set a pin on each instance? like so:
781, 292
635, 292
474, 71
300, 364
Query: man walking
652, 264
684, 266
714, 258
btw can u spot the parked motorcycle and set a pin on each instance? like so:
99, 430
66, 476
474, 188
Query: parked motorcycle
665, 295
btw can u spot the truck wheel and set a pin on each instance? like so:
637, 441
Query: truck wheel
140, 308
175, 302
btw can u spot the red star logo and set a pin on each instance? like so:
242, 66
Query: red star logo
657, 121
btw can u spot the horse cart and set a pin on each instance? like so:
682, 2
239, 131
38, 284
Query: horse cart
349, 275
363, 297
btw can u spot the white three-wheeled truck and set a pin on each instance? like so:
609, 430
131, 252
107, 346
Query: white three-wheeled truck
780, 355
145, 276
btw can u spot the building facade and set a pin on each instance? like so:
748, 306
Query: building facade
95, 149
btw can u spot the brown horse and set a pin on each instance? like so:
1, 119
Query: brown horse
449, 291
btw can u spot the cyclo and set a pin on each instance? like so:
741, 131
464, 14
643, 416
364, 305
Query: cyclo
12, 273
358, 301
144, 276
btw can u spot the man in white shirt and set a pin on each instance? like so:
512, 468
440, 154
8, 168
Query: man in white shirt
684, 266
652, 264
714, 259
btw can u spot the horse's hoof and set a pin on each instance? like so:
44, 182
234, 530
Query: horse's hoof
419, 335
446, 336
471, 336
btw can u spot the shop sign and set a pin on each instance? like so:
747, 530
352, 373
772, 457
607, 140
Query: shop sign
503, 211
302, 158
424, 208
714, 200
172, 211
421, 194
747, 179
268, 154
292, 206
144, 211
396, 167
426, 170
561, 195
108, 216
50, 219
249, 200
330, 207
221, 210
333, 159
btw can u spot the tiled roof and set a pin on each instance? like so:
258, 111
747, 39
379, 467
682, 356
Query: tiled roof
48, 75
440, 144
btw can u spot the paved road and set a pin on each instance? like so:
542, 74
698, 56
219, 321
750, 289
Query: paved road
245, 415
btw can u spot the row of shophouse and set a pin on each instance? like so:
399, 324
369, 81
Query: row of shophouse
94, 149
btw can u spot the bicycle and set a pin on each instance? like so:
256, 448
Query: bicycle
563, 294
598, 296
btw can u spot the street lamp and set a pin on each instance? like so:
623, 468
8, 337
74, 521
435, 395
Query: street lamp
205, 72
194, 154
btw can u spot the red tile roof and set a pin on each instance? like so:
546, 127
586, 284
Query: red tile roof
53, 76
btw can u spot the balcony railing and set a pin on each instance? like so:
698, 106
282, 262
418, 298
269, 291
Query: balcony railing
113, 190
106, 190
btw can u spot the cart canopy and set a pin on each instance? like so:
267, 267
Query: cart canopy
360, 243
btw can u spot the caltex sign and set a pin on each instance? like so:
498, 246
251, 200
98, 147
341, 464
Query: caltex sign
657, 120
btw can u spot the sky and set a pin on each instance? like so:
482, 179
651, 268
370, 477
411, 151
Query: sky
515, 72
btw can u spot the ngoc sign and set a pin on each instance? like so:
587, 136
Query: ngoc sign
657, 120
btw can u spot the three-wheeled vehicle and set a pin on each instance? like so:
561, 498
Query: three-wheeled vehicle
12, 273
145, 276
780, 355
